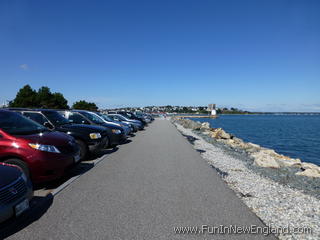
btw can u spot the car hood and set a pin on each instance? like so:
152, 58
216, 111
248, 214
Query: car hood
111, 126
121, 123
48, 138
113, 123
135, 121
81, 127
8, 175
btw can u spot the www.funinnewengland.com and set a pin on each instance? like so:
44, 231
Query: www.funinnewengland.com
235, 229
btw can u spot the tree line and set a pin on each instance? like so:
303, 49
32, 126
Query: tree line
27, 97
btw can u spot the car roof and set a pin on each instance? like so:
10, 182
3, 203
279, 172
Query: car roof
35, 109
78, 110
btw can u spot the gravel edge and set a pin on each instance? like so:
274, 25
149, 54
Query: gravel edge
277, 205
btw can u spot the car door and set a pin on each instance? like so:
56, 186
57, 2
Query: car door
35, 116
76, 118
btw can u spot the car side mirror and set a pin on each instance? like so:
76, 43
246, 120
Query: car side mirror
48, 125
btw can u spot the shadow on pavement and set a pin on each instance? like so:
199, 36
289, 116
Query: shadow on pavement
40, 204
200, 150
38, 207
126, 142
191, 139
220, 172
102, 153
80, 168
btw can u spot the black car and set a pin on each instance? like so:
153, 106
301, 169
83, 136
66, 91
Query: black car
133, 116
89, 138
15, 192
116, 133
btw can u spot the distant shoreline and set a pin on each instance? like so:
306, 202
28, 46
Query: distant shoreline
256, 113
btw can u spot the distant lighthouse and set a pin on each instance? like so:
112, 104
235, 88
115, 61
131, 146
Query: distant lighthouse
212, 109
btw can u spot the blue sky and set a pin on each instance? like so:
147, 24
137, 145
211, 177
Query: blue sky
256, 55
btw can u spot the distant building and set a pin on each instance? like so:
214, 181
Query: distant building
212, 109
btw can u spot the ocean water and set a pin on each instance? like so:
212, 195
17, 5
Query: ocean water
296, 136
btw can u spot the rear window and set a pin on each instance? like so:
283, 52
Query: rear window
37, 117
16, 124
56, 118
76, 118
92, 117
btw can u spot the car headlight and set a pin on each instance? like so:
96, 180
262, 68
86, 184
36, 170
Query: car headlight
95, 135
45, 148
116, 131
24, 177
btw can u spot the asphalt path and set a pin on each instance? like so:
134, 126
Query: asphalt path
143, 190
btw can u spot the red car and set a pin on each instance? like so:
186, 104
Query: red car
42, 154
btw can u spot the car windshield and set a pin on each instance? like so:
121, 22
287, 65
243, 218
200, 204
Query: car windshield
16, 124
105, 117
120, 117
93, 117
139, 114
128, 115
56, 118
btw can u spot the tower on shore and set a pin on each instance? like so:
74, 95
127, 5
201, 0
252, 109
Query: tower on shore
212, 109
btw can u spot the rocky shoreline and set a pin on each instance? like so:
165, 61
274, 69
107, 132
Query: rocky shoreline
282, 191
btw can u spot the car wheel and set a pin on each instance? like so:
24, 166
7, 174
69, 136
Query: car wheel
83, 149
107, 144
112, 145
19, 163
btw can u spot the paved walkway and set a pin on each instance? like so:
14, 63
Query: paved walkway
142, 191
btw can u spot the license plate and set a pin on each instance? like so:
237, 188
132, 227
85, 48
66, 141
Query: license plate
21, 207
77, 158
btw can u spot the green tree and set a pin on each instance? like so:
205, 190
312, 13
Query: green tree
43, 98
83, 105
25, 98
59, 102
47, 99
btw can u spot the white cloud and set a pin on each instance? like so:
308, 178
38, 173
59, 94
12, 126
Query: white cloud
24, 66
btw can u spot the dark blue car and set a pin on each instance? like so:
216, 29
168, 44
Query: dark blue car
15, 192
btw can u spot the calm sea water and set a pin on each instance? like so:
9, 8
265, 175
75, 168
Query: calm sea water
296, 136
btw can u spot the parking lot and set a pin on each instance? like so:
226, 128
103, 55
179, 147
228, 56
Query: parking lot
55, 187
140, 190
43, 151
44, 193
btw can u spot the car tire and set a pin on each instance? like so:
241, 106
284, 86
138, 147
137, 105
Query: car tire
19, 163
113, 145
83, 149
107, 143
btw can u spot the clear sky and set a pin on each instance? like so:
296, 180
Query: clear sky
256, 55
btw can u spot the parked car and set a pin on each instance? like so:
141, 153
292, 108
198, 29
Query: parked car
132, 116
125, 129
116, 134
118, 117
128, 129
90, 139
148, 117
43, 155
15, 192
127, 123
